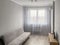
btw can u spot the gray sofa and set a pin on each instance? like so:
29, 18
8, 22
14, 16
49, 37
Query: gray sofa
16, 37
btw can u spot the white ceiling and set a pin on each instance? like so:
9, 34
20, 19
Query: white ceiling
33, 2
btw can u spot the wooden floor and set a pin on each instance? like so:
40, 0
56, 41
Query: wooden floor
37, 40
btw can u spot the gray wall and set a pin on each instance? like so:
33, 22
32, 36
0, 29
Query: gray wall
57, 19
11, 16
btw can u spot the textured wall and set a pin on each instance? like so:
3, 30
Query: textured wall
11, 16
57, 19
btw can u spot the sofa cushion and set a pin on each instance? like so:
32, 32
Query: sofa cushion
19, 40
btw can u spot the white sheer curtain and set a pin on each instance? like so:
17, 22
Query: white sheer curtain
38, 19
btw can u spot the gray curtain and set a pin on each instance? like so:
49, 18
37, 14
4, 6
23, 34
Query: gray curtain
37, 20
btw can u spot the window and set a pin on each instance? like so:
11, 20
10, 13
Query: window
36, 16
42, 17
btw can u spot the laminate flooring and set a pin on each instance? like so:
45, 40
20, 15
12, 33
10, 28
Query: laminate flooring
37, 40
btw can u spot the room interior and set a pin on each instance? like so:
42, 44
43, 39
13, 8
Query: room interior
29, 22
